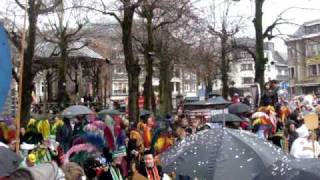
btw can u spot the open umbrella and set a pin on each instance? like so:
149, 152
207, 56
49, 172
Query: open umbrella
295, 169
9, 161
76, 110
226, 118
145, 112
111, 112
218, 100
221, 153
239, 108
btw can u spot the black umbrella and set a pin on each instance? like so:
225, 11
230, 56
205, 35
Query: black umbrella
9, 161
220, 154
239, 108
296, 169
145, 112
218, 100
226, 118
110, 112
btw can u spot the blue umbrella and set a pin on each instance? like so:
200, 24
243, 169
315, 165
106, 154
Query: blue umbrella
5, 67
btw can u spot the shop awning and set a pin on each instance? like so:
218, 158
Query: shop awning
313, 60
308, 84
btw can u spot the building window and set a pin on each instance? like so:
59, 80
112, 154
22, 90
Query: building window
247, 80
279, 71
119, 70
178, 87
186, 75
312, 70
246, 67
193, 76
312, 50
177, 73
187, 87
291, 72
120, 89
290, 52
193, 87
244, 54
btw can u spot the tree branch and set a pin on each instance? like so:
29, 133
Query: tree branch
104, 12
51, 8
246, 48
20, 5
15, 75
80, 26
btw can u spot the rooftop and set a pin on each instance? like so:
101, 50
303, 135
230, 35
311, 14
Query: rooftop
48, 49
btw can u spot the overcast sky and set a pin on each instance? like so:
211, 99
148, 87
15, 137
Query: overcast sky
271, 9
307, 10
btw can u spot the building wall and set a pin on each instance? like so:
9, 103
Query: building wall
304, 59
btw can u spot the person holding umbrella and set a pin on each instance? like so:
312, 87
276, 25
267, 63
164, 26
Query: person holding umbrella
64, 135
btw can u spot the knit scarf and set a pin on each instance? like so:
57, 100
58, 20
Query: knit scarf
153, 173
115, 173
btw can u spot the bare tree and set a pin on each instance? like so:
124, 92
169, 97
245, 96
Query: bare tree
156, 14
67, 39
261, 35
208, 62
124, 17
225, 33
34, 9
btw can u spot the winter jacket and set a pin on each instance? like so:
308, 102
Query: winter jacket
64, 137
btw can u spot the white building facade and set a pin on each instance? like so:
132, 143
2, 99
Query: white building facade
242, 72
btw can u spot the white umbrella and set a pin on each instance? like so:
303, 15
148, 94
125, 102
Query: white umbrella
76, 110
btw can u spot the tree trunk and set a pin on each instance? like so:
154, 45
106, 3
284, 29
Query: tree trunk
97, 85
224, 64
260, 61
62, 83
132, 64
27, 80
148, 93
166, 73
209, 85
49, 86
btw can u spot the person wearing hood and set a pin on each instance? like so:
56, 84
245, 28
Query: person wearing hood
64, 135
291, 133
305, 147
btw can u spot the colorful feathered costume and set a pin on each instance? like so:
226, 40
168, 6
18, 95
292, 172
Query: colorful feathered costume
284, 113
265, 116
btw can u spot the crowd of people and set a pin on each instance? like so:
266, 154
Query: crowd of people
110, 147
87, 146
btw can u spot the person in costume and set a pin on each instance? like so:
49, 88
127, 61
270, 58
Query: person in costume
305, 147
64, 135
148, 131
149, 169
112, 171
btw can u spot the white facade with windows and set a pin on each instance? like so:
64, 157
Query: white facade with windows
184, 82
242, 72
